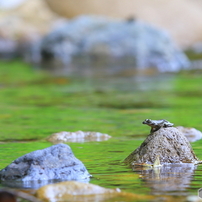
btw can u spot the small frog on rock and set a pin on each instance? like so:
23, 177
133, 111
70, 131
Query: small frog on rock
164, 145
157, 124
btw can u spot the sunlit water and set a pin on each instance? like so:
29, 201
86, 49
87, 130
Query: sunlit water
104, 159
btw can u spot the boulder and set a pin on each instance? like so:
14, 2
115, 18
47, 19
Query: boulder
168, 15
78, 136
55, 163
191, 134
90, 42
168, 144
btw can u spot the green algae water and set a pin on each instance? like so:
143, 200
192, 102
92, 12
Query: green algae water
34, 104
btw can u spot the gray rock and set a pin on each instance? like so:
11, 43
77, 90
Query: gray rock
169, 144
11, 195
56, 163
90, 41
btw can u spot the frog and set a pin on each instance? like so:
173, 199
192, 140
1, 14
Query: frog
157, 124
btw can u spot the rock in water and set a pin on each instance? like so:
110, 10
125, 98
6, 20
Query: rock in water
168, 143
64, 190
84, 192
78, 136
87, 42
191, 134
53, 163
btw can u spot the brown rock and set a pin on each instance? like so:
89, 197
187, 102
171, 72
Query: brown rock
11, 195
169, 144
22, 27
6, 196
30, 19
82, 192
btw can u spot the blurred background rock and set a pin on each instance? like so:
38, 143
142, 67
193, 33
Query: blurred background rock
21, 24
25, 23
181, 18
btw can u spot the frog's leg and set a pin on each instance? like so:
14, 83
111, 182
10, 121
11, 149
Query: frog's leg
154, 128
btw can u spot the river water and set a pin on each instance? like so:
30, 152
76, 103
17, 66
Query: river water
34, 106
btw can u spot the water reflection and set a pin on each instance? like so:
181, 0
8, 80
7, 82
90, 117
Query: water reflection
170, 178
134, 83
33, 184
118, 74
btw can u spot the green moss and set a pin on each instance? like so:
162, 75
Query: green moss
35, 104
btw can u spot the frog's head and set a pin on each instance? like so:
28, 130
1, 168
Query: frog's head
147, 121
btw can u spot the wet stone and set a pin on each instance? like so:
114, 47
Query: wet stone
85, 192
55, 163
78, 136
166, 143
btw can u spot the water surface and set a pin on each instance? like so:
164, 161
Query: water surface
36, 104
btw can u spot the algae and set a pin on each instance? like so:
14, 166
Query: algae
34, 104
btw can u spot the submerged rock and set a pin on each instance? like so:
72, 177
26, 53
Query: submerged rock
78, 136
73, 188
11, 195
53, 163
77, 191
166, 143
191, 134
87, 42
7, 196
